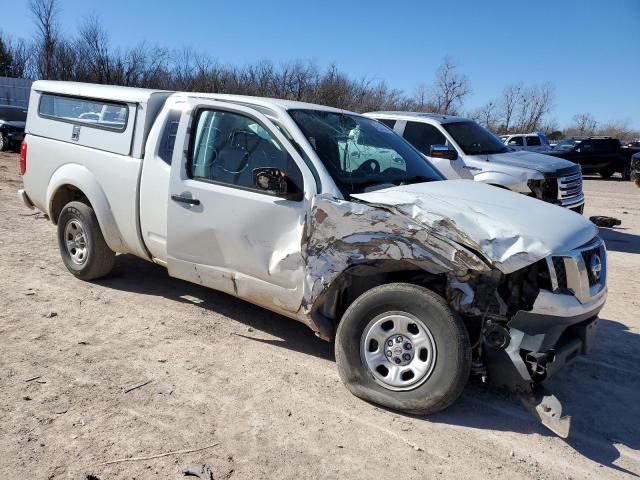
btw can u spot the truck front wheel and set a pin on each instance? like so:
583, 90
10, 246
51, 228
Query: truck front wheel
401, 346
82, 246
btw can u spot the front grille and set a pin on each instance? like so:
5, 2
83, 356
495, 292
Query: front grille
561, 272
570, 188
579, 271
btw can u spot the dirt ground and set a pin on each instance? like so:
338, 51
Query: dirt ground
262, 388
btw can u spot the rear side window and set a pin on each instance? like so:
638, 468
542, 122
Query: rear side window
388, 122
423, 136
533, 141
228, 147
94, 113
168, 138
516, 141
606, 146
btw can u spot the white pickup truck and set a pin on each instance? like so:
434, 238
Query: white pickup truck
461, 148
326, 217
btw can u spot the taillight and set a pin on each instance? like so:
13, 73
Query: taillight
23, 158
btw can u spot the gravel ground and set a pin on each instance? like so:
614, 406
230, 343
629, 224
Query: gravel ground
262, 388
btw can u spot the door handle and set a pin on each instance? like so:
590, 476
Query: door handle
471, 168
181, 199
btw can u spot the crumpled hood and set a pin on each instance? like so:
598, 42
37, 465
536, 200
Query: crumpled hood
532, 160
510, 229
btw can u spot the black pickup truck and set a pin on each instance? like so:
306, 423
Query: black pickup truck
603, 155
12, 121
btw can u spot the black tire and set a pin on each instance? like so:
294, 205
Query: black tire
4, 143
99, 258
606, 173
453, 360
626, 171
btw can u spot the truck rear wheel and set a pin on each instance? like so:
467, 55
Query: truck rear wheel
401, 346
82, 246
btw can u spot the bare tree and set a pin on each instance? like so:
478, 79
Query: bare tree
45, 13
487, 115
422, 101
449, 89
582, 124
619, 129
520, 108
6, 58
96, 61
534, 103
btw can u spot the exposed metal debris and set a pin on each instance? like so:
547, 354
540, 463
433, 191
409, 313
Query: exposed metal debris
470, 238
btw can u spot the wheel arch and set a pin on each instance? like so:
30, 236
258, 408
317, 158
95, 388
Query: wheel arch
357, 279
73, 182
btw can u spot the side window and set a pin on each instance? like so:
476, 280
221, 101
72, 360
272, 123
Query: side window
228, 147
533, 141
586, 147
388, 122
96, 113
422, 136
516, 141
168, 137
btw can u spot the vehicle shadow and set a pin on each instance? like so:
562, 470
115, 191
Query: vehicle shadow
614, 178
599, 391
618, 240
132, 274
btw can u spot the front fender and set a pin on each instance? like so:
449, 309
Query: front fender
514, 182
82, 179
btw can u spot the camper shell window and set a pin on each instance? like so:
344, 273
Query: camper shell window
93, 113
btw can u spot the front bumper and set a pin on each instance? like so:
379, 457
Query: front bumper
545, 339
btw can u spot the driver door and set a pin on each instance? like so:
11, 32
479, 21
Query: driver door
224, 231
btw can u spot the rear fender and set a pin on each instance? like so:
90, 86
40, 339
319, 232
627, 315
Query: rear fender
82, 179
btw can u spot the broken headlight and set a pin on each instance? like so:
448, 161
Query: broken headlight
545, 189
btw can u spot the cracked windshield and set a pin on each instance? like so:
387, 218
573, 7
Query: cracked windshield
362, 154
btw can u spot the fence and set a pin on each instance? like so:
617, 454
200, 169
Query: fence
15, 91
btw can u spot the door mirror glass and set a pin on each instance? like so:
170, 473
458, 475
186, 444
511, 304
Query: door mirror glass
275, 182
443, 151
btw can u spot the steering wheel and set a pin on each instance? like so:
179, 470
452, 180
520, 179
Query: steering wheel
369, 166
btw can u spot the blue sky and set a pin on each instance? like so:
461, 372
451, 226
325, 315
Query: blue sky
589, 49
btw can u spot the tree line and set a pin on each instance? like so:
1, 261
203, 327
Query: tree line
88, 56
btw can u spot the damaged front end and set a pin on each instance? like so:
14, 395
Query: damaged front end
527, 328
529, 311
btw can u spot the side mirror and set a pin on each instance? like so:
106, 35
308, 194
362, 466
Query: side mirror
274, 181
442, 151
